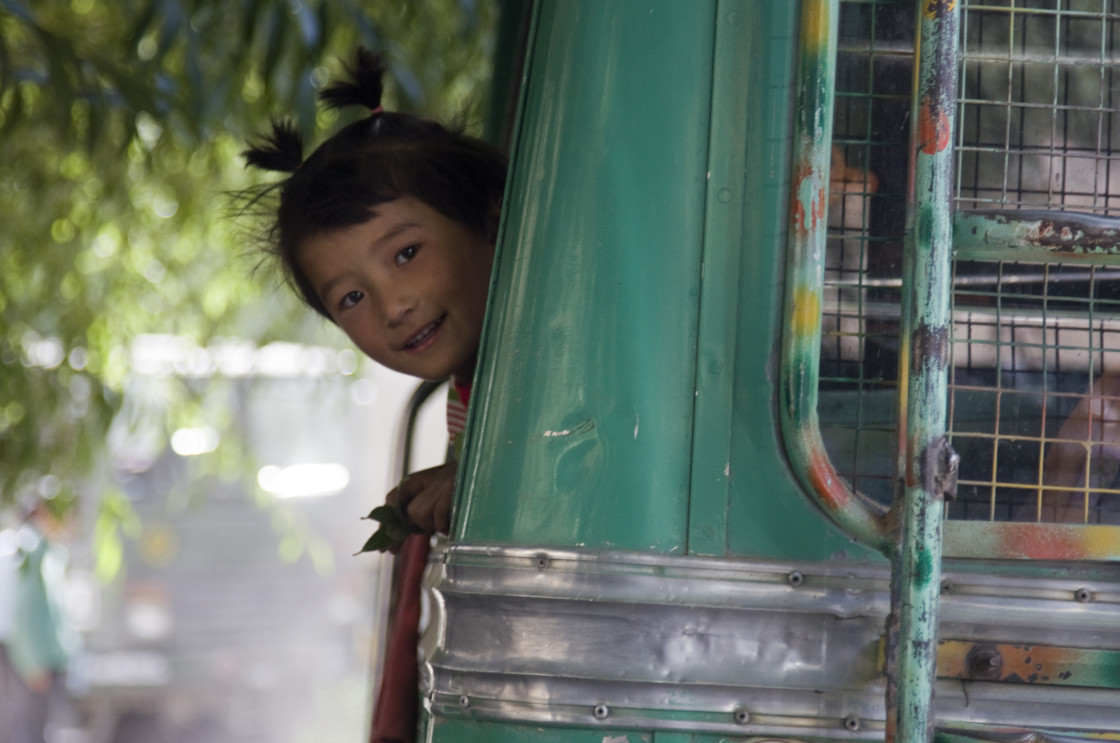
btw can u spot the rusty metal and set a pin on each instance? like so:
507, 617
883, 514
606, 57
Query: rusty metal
939, 468
1036, 235
1021, 663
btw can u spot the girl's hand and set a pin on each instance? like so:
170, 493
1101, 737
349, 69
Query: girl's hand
425, 497
421, 504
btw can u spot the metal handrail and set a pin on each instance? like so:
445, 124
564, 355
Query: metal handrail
857, 514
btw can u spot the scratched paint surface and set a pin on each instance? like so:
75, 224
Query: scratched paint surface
1026, 541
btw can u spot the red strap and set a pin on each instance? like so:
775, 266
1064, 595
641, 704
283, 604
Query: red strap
395, 716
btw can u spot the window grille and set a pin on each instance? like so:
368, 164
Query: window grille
1034, 345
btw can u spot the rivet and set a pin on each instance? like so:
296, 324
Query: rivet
464, 701
946, 586
795, 578
601, 711
542, 562
742, 716
984, 662
852, 723
1083, 595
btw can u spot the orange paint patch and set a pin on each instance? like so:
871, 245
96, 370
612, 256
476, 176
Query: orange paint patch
1019, 663
933, 129
1017, 541
1042, 542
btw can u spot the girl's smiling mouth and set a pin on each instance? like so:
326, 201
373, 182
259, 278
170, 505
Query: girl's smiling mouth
427, 333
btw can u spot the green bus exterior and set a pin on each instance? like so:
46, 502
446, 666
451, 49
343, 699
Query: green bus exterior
651, 541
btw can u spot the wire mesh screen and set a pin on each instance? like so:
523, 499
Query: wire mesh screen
1035, 379
1034, 343
858, 400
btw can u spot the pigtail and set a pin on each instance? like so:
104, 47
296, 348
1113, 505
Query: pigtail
281, 149
364, 86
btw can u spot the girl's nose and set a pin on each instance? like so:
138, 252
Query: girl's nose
396, 308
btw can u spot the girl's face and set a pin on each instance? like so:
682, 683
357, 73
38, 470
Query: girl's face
408, 286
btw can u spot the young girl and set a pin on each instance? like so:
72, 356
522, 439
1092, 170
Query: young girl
388, 230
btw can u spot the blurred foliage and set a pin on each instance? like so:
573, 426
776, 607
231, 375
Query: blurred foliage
121, 124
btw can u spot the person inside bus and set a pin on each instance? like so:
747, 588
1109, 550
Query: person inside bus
388, 230
1083, 459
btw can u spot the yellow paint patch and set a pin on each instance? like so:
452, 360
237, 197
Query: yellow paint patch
806, 311
814, 26
1101, 543
931, 7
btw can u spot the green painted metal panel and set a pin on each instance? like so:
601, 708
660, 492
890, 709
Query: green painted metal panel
587, 377
732, 87
764, 491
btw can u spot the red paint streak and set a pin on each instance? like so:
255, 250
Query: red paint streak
820, 207
1055, 542
933, 129
825, 481
911, 473
803, 172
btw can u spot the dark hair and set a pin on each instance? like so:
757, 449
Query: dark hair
379, 158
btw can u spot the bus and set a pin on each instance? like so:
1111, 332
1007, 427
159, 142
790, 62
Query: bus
793, 419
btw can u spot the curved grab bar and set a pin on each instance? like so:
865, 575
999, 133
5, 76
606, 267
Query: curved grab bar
857, 514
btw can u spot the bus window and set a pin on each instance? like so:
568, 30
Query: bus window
1035, 325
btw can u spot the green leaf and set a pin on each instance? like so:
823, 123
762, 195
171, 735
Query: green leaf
395, 528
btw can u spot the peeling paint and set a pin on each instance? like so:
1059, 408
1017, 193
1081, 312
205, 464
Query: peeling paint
933, 128
1041, 234
929, 345
584, 427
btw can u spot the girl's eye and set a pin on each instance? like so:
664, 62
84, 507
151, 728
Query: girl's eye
407, 254
350, 299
